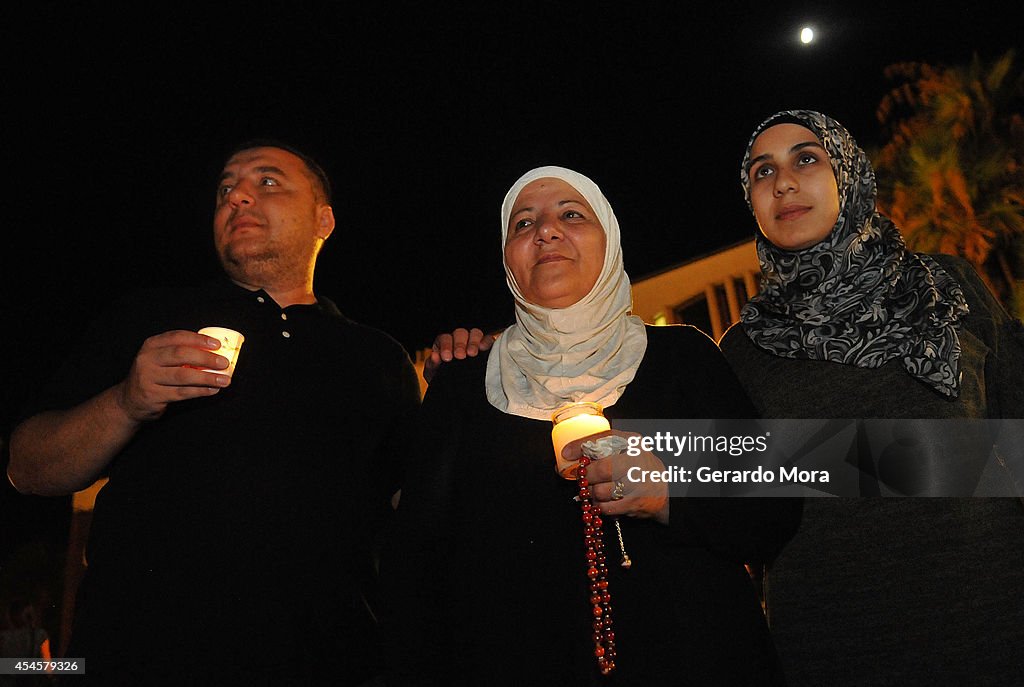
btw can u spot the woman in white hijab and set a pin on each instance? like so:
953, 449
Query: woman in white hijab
486, 575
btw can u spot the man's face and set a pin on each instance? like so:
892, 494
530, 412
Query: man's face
269, 221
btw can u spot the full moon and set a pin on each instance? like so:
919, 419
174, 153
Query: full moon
806, 34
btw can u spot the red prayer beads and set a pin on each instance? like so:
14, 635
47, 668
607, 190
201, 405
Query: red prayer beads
597, 574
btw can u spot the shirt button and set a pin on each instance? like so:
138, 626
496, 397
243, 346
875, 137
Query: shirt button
284, 316
286, 335
261, 299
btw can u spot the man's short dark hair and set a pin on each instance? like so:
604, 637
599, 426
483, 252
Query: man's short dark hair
321, 183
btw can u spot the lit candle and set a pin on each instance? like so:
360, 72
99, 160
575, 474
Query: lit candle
230, 343
572, 422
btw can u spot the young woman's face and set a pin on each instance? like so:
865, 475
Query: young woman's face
555, 244
792, 188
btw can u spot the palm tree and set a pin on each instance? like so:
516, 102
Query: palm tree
952, 172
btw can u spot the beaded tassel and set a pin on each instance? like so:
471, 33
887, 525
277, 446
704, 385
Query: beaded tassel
597, 572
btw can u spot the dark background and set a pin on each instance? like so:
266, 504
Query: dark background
116, 122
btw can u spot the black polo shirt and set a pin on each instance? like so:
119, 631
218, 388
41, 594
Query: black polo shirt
233, 541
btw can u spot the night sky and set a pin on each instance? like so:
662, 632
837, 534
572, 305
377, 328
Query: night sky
423, 116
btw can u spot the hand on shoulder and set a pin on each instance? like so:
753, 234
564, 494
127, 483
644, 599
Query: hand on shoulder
460, 344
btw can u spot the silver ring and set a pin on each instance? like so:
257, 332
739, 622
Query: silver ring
618, 490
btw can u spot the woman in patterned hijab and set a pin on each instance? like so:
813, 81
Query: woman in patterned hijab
849, 323
838, 283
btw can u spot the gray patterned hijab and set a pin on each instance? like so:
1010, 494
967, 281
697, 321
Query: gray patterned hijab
859, 297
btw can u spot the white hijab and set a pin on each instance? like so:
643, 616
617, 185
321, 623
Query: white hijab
589, 351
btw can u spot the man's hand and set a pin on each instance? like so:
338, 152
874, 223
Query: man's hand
62, 451
168, 368
458, 344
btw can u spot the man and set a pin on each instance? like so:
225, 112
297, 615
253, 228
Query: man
234, 541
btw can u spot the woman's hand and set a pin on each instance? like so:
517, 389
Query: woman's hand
610, 487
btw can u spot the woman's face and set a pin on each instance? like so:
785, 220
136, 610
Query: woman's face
555, 244
792, 188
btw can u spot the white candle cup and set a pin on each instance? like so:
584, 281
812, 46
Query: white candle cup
230, 344
575, 421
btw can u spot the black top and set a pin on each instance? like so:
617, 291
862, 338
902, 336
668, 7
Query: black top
487, 575
233, 540
900, 591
